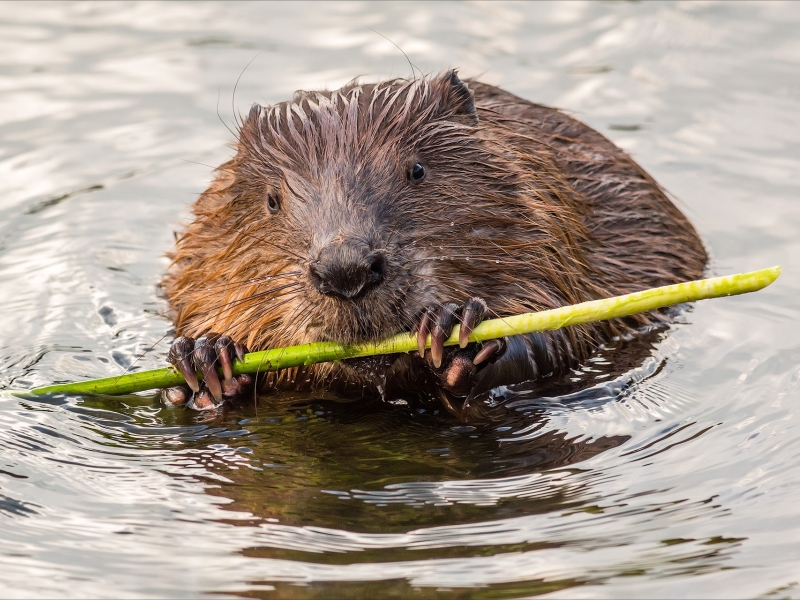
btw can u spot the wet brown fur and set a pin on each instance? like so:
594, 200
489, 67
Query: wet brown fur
523, 206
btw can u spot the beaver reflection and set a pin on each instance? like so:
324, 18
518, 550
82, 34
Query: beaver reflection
373, 466
329, 465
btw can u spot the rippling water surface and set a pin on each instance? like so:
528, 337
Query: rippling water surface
676, 475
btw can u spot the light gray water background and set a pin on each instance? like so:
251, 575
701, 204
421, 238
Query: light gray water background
680, 478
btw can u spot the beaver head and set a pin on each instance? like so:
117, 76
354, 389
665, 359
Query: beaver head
345, 214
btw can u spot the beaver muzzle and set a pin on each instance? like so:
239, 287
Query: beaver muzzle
347, 271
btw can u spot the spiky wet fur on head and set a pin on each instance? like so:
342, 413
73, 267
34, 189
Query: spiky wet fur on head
512, 209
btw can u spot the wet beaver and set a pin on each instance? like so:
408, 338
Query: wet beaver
354, 214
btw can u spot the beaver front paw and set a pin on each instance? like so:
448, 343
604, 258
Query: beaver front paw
202, 355
456, 366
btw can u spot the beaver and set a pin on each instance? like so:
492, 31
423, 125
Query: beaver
413, 205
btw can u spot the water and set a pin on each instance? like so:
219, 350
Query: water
673, 476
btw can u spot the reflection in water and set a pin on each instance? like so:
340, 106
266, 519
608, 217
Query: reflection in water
321, 491
667, 466
324, 490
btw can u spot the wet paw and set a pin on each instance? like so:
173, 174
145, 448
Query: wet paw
456, 366
204, 355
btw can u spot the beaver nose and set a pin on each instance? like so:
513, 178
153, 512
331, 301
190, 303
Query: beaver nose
346, 272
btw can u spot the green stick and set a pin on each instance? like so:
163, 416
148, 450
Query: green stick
308, 354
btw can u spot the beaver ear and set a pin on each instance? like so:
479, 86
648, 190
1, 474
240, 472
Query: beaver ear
457, 101
249, 129
253, 117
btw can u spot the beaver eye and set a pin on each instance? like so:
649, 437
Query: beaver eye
417, 173
273, 203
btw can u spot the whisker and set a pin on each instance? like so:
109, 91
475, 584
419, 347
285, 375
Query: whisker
194, 162
143, 354
234, 303
243, 232
221, 286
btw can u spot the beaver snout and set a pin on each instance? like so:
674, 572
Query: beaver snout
347, 271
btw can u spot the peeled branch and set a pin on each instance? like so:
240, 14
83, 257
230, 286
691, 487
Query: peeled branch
547, 320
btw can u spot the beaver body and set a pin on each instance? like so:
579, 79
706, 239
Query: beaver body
359, 213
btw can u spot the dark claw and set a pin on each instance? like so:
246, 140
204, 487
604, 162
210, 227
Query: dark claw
205, 358
472, 314
446, 317
491, 349
225, 350
180, 355
187, 370
240, 350
422, 333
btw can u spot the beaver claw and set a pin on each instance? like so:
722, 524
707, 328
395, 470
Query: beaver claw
456, 366
202, 355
